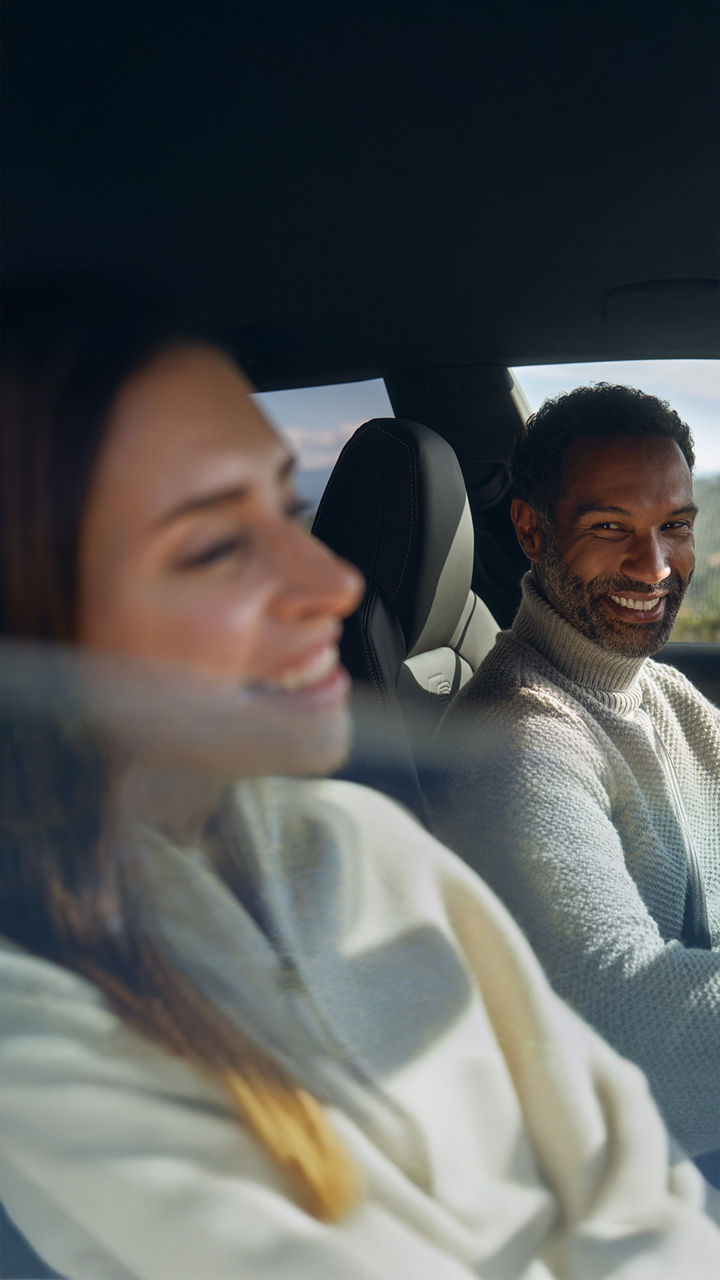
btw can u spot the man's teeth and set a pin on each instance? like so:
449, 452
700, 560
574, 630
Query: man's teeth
305, 677
642, 605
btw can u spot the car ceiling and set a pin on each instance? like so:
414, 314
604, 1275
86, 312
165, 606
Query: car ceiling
359, 188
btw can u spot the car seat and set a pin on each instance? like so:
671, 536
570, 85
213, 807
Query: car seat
18, 1260
396, 506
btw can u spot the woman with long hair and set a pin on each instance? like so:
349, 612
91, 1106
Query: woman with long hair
262, 1028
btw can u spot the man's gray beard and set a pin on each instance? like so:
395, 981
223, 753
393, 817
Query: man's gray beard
579, 603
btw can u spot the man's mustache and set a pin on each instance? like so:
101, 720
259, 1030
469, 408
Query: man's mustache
674, 585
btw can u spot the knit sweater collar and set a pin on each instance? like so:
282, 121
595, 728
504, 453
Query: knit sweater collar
575, 656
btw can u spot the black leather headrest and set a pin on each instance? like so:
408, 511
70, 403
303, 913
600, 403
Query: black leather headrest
393, 507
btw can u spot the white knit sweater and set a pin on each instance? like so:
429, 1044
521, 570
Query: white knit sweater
561, 802
498, 1136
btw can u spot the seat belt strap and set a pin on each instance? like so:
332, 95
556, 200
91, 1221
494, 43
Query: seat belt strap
696, 929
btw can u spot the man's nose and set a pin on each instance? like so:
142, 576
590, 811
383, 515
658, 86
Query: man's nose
647, 559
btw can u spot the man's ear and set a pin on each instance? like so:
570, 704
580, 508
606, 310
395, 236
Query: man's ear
528, 528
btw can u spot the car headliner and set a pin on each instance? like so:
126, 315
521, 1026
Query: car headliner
365, 187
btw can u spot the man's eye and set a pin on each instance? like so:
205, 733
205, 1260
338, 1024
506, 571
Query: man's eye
608, 526
675, 526
216, 551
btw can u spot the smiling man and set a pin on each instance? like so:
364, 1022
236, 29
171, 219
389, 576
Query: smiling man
587, 776
614, 553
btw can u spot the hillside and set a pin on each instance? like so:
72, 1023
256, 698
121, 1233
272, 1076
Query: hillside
699, 617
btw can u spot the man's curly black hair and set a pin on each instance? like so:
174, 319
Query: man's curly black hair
602, 411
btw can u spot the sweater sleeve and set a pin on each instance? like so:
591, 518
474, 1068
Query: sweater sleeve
625, 1208
118, 1163
536, 817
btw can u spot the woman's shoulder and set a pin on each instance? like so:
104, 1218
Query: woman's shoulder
40, 998
58, 1035
50, 1018
27, 976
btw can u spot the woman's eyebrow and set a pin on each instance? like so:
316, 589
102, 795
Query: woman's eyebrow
221, 497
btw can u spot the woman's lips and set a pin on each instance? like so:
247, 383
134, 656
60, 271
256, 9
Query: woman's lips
302, 675
321, 680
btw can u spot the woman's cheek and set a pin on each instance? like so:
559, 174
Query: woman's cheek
217, 630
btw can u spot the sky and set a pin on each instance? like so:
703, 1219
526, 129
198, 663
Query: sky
318, 420
692, 387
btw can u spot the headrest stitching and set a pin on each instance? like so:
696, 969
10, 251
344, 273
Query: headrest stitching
374, 666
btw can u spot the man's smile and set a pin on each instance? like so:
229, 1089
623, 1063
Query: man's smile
637, 609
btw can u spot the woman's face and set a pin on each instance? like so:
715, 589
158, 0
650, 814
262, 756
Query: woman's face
191, 552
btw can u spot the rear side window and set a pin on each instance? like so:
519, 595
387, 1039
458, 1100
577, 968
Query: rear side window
692, 387
317, 422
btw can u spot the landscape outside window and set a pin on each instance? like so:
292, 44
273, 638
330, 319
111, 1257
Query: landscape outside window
318, 420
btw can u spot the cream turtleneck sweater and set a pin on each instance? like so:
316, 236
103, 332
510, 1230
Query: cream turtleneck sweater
560, 800
496, 1135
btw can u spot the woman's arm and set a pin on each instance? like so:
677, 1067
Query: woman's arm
119, 1161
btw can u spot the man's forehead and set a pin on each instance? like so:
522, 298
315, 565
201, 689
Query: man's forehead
624, 470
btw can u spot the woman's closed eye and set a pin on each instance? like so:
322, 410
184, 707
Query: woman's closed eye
238, 541
217, 550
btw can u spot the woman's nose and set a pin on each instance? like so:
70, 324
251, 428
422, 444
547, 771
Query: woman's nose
316, 581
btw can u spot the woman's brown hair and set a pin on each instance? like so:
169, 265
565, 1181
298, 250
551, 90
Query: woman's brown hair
66, 889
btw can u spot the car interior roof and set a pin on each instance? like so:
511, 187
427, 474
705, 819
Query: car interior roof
363, 188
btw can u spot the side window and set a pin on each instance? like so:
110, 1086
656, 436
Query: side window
692, 387
699, 617
317, 421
